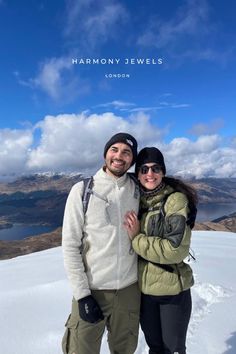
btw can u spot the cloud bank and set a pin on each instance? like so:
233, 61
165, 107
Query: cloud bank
70, 142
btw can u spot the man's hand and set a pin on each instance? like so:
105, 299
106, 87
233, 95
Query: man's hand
89, 310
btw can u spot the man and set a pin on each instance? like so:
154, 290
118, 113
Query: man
99, 261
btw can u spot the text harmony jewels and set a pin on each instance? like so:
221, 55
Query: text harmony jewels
116, 61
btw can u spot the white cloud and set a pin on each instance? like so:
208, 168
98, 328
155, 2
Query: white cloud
189, 34
180, 105
145, 109
55, 79
206, 157
76, 142
14, 145
49, 78
71, 142
98, 21
233, 141
190, 19
209, 128
183, 148
22, 82
132, 107
117, 104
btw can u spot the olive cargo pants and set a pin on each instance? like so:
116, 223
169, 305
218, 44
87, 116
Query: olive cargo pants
121, 318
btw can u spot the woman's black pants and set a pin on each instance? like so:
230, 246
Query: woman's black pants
164, 321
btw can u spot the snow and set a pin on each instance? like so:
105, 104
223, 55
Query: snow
35, 300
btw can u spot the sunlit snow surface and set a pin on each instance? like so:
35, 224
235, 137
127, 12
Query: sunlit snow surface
35, 300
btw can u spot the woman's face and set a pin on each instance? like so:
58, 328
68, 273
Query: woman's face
151, 179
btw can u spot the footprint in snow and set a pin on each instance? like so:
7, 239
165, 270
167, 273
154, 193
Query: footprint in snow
204, 295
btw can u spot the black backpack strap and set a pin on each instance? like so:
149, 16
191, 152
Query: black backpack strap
88, 190
132, 176
141, 212
136, 182
191, 216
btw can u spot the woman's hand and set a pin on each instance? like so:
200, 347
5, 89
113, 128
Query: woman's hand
132, 224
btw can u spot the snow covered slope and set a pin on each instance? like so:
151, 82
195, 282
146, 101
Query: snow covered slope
35, 300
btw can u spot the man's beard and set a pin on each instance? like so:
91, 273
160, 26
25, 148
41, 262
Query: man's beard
116, 173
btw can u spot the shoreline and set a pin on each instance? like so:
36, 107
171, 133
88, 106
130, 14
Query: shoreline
5, 225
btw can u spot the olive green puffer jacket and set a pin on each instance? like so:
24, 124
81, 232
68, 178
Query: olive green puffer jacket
163, 244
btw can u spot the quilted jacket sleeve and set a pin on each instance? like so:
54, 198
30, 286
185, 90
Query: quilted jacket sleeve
173, 246
71, 241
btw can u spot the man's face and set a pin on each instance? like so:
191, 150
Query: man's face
118, 159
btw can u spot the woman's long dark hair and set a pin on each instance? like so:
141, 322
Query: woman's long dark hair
189, 191
179, 186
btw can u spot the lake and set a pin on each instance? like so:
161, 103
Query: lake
206, 212
20, 231
209, 212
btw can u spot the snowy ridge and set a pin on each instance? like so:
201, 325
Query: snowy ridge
35, 300
59, 173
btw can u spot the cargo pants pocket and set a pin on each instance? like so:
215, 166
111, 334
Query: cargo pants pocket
70, 338
133, 331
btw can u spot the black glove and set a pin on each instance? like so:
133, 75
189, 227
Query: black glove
89, 310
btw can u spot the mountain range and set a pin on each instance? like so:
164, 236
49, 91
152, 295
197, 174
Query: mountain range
40, 199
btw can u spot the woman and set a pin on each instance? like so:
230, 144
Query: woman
162, 241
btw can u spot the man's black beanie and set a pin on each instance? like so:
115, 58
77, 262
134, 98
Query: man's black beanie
150, 154
126, 139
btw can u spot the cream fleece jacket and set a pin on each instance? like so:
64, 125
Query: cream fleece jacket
107, 260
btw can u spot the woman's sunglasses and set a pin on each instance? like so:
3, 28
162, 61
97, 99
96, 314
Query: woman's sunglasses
144, 169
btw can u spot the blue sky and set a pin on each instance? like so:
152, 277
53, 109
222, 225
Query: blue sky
53, 112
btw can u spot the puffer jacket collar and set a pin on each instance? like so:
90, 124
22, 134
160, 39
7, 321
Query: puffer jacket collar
154, 200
